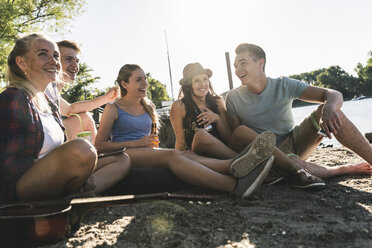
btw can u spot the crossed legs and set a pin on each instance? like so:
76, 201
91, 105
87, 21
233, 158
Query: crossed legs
206, 144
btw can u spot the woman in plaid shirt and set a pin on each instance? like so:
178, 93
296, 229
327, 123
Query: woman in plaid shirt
35, 163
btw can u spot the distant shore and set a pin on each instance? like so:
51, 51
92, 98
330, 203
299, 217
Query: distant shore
299, 103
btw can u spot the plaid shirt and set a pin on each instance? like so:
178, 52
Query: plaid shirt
21, 138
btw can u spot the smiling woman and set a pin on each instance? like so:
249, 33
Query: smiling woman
35, 163
199, 111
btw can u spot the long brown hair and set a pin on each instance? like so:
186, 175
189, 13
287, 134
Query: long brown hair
125, 73
186, 93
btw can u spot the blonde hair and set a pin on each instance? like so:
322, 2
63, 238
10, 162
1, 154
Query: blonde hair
17, 78
125, 73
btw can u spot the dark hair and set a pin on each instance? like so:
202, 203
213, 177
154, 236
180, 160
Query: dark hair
125, 73
69, 44
211, 99
254, 50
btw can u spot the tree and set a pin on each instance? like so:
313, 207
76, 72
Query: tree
336, 78
156, 91
18, 17
365, 75
79, 89
309, 77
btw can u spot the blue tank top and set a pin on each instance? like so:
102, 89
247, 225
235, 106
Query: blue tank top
130, 127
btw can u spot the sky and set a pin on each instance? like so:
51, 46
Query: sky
297, 36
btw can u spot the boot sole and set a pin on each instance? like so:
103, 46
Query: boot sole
311, 186
259, 179
258, 151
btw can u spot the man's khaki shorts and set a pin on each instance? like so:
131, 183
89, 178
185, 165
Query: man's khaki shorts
304, 138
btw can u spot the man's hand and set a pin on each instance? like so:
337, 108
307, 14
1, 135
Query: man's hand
113, 93
330, 120
332, 99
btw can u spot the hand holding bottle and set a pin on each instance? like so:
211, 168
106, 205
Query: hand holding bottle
154, 135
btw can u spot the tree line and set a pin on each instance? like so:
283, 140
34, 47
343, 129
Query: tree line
336, 78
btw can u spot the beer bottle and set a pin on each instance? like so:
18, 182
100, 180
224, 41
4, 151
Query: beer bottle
154, 130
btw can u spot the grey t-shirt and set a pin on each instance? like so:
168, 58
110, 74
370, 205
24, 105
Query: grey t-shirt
269, 111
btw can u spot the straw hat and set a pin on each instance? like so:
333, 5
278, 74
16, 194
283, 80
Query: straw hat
192, 70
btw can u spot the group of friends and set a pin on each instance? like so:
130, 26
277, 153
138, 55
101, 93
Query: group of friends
230, 146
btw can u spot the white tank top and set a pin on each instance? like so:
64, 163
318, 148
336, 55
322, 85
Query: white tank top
53, 133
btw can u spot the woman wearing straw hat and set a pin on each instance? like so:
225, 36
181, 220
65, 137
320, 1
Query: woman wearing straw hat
35, 163
199, 116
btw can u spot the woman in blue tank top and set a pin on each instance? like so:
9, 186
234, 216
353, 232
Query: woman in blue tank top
127, 124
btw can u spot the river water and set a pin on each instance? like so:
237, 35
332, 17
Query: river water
359, 112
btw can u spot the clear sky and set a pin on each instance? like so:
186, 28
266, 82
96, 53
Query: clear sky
298, 36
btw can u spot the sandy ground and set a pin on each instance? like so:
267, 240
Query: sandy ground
274, 216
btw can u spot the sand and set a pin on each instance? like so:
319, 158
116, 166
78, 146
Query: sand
274, 216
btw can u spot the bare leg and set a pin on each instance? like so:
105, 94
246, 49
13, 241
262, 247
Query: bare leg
186, 169
62, 172
207, 145
357, 143
73, 127
110, 170
221, 166
332, 171
350, 137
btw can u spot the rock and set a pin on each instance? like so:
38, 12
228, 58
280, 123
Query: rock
369, 137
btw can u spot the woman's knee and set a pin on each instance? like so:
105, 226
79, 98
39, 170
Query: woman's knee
243, 132
173, 155
124, 163
82, 153
201, 138
243, 129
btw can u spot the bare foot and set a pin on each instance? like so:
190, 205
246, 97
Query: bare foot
361, 168
334, 171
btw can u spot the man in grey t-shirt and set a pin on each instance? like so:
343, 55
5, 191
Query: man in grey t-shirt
262, 103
